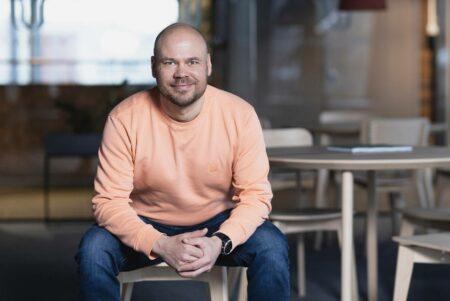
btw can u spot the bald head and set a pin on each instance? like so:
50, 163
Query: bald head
181, 65
177, 31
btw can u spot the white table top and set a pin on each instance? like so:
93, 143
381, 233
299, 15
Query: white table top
318, 157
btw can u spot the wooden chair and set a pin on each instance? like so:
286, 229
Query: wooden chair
216, 278
59, 145
299, 221
401, 131
430, 218
429, 248
411, 250
286, 137
442, 175
340, 117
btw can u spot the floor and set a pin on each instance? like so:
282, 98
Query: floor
36, 263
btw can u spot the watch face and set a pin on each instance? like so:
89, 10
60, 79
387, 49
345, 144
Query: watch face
227, 247
226, 243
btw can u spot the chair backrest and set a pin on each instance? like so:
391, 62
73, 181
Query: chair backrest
348, 118
66, 144
289, 137
342, 116
408, 131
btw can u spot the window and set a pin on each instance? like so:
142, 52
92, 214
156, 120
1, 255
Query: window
84, 42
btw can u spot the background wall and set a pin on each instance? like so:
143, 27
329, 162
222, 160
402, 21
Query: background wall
394, 73
311, 57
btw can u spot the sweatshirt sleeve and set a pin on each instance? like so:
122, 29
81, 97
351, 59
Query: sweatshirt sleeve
113, 185
253, 193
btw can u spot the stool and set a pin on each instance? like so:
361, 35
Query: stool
216, 278
429, 248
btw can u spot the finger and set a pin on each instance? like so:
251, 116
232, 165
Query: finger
181, 262
199, 263
187, 259
197, 233
199, 241
193, 251
191, 274
174, 264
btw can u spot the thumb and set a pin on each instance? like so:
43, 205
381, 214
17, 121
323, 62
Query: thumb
198, 233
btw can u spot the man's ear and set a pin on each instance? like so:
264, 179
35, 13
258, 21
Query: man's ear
153, 63
208, 64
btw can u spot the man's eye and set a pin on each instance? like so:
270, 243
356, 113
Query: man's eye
194, 62
168, 63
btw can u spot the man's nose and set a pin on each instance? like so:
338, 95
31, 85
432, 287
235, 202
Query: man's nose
180, 71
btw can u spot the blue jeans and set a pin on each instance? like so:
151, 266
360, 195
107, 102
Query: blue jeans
101, 256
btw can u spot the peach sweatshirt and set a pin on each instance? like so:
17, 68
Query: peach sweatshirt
181, 173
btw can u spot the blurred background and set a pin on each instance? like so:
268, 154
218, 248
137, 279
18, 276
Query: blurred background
64, 64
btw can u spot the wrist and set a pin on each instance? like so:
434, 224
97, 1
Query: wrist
217, 242
158, 245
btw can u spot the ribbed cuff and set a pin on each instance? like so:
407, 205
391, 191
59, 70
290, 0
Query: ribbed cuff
147, 237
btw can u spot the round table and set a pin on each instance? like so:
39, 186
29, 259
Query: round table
321, 158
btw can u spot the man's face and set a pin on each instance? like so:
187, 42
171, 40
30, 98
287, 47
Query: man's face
181, 67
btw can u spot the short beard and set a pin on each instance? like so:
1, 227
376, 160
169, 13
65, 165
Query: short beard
180, 102
183, 104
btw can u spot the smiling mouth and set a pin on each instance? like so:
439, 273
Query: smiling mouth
182, 87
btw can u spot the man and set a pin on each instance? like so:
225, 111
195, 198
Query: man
182, 178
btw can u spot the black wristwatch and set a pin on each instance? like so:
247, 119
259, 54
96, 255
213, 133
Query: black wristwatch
226, 243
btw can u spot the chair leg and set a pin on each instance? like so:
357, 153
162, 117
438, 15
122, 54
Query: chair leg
405, 263
429, 187
397, 202
233, 279
421, 190
355, 294
442, 189
218, 284
299, 189
126, 291
243, 285
301, 271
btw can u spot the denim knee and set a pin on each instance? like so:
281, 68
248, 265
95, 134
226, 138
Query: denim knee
272, 244
268, 272
99, 248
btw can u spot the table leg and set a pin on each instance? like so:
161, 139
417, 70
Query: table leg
321, 200
371, 239
300, 194
347, 236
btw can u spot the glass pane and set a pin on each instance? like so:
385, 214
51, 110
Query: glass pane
85, 42
5, 50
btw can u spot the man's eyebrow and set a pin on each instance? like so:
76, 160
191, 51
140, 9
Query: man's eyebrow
167, 59
164, 58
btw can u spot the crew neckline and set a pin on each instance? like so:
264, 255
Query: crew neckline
186, 124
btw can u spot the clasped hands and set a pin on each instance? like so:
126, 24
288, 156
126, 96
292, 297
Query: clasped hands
190, 254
